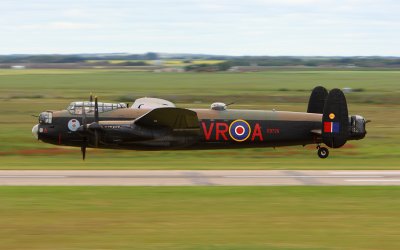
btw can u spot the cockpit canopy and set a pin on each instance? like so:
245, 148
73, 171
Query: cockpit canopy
76, 108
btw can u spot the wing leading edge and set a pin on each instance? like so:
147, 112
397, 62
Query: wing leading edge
177, 119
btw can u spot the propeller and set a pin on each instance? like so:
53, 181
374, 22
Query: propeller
92, 129
84, 132
83, 150
96, 121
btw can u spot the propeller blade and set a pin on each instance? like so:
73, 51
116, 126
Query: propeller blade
84, 126
83, 150
96, 122
96, 110
84, 116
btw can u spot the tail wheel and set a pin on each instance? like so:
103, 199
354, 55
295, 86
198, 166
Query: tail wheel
323, 152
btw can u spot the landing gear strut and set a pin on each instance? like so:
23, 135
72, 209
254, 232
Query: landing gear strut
322, 152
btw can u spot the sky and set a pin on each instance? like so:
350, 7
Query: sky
221, 27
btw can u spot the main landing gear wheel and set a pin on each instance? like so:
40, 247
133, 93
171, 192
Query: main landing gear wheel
323, 152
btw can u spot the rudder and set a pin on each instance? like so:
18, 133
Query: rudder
335, 120
317, 100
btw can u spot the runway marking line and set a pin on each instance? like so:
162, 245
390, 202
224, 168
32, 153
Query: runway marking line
33, 176
301, 176
372, 180
365, 172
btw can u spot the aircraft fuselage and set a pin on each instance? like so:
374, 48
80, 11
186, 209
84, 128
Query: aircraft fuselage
217, 129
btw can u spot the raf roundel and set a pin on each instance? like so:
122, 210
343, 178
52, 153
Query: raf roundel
239, 130
73, 124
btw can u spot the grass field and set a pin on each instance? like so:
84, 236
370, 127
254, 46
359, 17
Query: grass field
280, 218
199, 218
24, 93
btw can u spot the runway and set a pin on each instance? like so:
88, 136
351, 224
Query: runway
199, 177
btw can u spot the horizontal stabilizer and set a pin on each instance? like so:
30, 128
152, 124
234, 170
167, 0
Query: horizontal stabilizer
316, 132
177, 119
335, 120
317, 100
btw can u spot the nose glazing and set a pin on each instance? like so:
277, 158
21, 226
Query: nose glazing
35, 131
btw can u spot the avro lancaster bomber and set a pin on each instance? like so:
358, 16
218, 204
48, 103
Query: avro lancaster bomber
156, 124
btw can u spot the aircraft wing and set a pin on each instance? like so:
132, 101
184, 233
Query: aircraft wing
116, 123
177, 119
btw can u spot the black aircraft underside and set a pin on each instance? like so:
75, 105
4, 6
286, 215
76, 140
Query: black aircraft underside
271, 134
